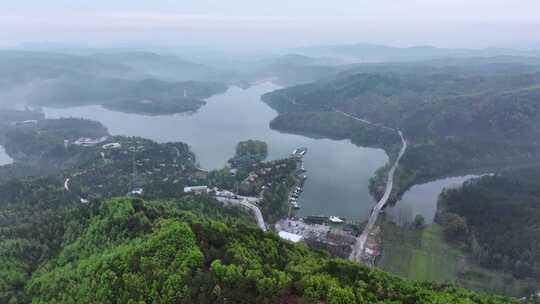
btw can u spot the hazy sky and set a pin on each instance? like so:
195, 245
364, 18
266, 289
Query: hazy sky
256, 24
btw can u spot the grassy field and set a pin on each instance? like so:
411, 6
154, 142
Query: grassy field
424, 255
419, 254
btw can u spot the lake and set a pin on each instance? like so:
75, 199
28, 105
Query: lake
4, 158
422, 200
338, 171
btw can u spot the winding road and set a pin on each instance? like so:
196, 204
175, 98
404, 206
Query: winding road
66, 184
359, 248
248, 203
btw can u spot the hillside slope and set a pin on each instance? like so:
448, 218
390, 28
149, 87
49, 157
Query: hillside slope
128, 250
454, 121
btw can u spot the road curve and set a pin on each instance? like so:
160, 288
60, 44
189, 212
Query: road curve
244, 202
360, 245
66, 184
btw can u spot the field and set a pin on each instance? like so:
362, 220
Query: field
419, 254
424, 255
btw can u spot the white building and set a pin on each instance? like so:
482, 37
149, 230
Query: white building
88, 142
111, 146
137, 191
295, 238
196, 189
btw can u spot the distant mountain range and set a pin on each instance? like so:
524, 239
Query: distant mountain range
364, 52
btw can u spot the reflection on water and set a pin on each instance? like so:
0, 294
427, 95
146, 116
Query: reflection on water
422, 200
338, 171
4, 158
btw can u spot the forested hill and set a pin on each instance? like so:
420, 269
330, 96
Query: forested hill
132, 251
420, 104
499, 217
456, 118
148, 96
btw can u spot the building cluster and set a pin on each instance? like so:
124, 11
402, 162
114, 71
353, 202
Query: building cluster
204, 189
317, 235
265, 174
132, 164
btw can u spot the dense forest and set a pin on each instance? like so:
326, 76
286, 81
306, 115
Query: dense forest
38, 218
44, 141
104, 168
162, 170
10, 118
249, 152
38, 146
337, 126
456, 118
129, 250
497, 218
63, 239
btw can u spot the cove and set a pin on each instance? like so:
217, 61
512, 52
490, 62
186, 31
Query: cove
422, 200
338, 171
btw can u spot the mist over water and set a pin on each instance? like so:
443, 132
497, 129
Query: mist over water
338, 171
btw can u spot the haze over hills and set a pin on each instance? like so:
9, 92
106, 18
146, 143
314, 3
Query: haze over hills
43, 78
293, 152
469, 104
365, 52
163, 66
21, 70
461, 111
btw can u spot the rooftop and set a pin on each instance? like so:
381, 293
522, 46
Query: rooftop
290, 236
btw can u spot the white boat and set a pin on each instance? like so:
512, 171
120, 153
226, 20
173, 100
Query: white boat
299, 152
335, 219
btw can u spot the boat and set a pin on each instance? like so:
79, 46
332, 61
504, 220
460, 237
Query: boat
299, 152
335, 220
295, 205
